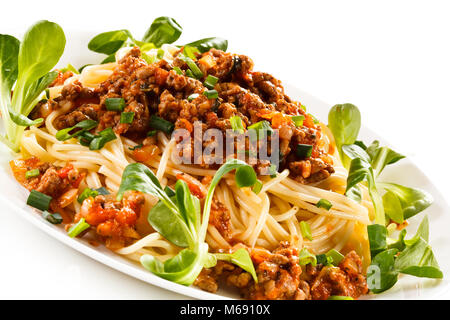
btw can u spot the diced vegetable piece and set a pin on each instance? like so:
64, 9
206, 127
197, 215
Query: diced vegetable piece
211, 94
303, 151
115, 104
306, 230
39, 200
161, 124
32, 173
53, 218
324, 203
78, 228
210, 81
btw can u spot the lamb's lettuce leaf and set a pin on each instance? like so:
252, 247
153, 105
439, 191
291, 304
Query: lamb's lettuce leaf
27, 66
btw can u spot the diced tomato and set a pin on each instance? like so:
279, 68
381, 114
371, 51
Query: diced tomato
207, 61
187, 125
280, 119
161, 76
260, 255
64, 172
108, 228
266, 114
126, 216
308, 121
145, 153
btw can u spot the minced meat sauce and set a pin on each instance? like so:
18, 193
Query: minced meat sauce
156, 89
280, 277
114, 221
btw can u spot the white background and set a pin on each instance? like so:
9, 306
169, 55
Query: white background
390, 58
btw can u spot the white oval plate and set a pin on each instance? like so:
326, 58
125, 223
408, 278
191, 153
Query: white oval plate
13, 196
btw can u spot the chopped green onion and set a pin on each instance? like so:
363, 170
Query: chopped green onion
314, 118
32, 173
335, 256
324, 203
86, 194
262, 128
193, 96
210, 81
306, 230
78, 228
178, 70
189, 73
257, 187
39, 200
298, 120
161, 124
303, 151
211, 94
190, 52
103, 191
53, 218
273, 171
339, 298
103, 137
245, 177
126, 117
151, 133
305, 257
86, 138
322, 259
84, 142
115, 104
192, 66
84, 126
138, 146
236, 124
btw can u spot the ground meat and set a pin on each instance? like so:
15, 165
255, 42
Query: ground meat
281, 277
53, 181
61, 183
220, 218
226, 272
157, 89
278, 275
114, 220
345, 280
206, 281
85, 112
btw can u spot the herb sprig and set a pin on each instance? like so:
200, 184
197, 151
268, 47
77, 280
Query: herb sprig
177, 217
391, 201
163, 30
26, 66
